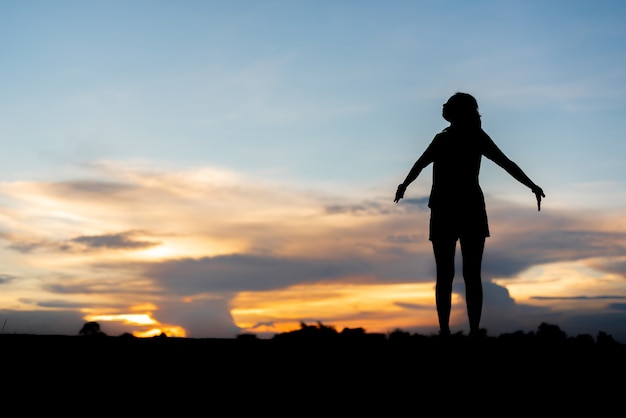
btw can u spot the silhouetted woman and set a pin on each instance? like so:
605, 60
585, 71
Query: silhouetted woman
457, 204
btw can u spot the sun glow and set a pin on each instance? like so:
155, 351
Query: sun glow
188, 246
155, 332
158, 252
142, 321
129, 319
374, 307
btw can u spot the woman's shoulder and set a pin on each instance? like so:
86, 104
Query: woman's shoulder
443, 134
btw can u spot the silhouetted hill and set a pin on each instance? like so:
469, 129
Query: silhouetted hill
317, 364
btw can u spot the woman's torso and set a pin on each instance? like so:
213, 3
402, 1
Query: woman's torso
456, 159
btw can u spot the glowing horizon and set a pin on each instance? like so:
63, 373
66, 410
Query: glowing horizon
203, 171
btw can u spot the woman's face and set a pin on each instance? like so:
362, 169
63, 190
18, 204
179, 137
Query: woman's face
444, 112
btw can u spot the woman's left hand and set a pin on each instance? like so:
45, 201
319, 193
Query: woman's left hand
400, 193
538, 194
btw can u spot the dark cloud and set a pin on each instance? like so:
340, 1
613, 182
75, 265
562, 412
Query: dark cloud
85, 288
74, 286
413, 306
47, 322
52, 304
6, 278
119, 241
583, 243
200, 317
269, 324
89, 188
592, 323
232, 273
517, 252
404, 238
420, 202
615, 265
385, 207
26, 247
399, 265
365, 208
123, 240
578, 297
501, 313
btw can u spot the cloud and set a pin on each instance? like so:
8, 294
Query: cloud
48, 322
86, 287
404, 238
117, 241
359, 209
611, 322
6, 278
414, 306
88, 188
501, 313
123, 240
201, 317
56, 304
616, 264
238, 272
191, 242
26, 248
520, 239
579, 297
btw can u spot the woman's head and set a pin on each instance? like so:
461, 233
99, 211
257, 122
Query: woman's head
461, 108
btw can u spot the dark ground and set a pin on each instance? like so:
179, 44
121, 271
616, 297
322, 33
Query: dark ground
317, 370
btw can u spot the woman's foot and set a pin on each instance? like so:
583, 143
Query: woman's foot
478, 333
444, 332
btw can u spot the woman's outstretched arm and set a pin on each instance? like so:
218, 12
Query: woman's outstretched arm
496, 155
420, 164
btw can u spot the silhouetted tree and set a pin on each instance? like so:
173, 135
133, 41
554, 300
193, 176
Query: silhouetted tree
584, 340
91, 329
399, 335
247, 337
606, 339
353, 333
551, 333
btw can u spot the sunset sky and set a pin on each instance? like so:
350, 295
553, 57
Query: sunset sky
209, 168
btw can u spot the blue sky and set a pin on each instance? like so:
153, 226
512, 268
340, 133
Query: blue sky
189, 161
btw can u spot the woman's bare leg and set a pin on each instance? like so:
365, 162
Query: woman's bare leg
444, 259
472, 252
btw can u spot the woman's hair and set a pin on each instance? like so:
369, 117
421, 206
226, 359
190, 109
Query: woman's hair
462, 109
